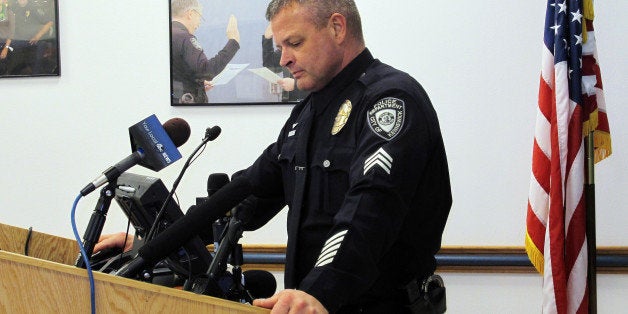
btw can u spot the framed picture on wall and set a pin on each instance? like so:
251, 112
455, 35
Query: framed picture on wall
29, 35
222, 53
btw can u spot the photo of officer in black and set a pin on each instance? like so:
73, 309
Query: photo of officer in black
191, 70
33, 48
7, 29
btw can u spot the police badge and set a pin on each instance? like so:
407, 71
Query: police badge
341, 117
386, 117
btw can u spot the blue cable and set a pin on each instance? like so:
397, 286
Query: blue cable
83, 254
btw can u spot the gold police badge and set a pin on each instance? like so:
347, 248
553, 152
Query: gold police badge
341, 117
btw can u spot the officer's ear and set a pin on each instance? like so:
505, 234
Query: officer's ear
338, 27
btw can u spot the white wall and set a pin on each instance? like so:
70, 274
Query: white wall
479, 61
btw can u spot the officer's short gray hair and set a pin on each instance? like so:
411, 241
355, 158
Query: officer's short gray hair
179, 7
321, 10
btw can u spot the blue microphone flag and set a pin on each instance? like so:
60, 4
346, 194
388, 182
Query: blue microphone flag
151, 139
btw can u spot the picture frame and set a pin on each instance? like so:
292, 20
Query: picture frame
29, 38
244, 79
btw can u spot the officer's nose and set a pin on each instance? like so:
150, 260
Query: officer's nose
287, 58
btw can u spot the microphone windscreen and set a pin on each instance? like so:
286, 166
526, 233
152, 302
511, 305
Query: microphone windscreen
260, 283
178, 130
212, 133
215, 182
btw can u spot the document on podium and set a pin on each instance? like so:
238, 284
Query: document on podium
266, 74
229, 72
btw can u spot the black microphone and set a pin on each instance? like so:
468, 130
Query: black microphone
212, 133
180, 232
260, 283
154, 146
215, 182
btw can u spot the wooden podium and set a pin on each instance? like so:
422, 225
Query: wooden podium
47, 282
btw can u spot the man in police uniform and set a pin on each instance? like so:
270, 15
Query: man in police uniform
192, 71
33, 40
7, 29
361, 164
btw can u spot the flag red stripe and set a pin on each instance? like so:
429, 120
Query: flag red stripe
536, 229
541, 167
545, 96
556, 221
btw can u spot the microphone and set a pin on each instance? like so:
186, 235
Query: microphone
215, 182
154, 146
212, 133
180, 232
260, 283
179, 131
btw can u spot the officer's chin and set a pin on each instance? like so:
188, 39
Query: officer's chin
307, 85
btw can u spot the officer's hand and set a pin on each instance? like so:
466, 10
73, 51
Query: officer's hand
291, 301
287, 83
268, 33
114, 240
208, 85
232, 29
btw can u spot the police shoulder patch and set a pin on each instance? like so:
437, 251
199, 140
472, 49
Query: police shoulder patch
195, 43
386, 117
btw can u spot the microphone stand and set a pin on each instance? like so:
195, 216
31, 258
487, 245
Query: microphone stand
96, 223
229, 246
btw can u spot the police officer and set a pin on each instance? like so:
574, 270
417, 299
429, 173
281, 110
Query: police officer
361, 165
33, 39
7, 29
192, 71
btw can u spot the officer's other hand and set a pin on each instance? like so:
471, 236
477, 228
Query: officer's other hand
291, 301
232, 29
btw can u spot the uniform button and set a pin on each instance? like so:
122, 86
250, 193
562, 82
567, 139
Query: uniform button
326, 163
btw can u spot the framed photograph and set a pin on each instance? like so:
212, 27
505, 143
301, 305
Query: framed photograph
29, 35
222, 53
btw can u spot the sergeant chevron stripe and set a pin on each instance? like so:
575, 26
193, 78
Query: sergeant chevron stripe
330, 249
379, 158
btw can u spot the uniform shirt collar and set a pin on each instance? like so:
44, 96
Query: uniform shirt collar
322, 98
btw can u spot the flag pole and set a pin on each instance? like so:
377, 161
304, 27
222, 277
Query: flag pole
589, 188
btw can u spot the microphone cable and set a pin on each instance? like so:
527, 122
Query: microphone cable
90, 274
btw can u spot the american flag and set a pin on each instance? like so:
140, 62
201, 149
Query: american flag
556, 216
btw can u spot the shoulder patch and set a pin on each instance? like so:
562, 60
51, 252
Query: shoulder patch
195, 43
386, 117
